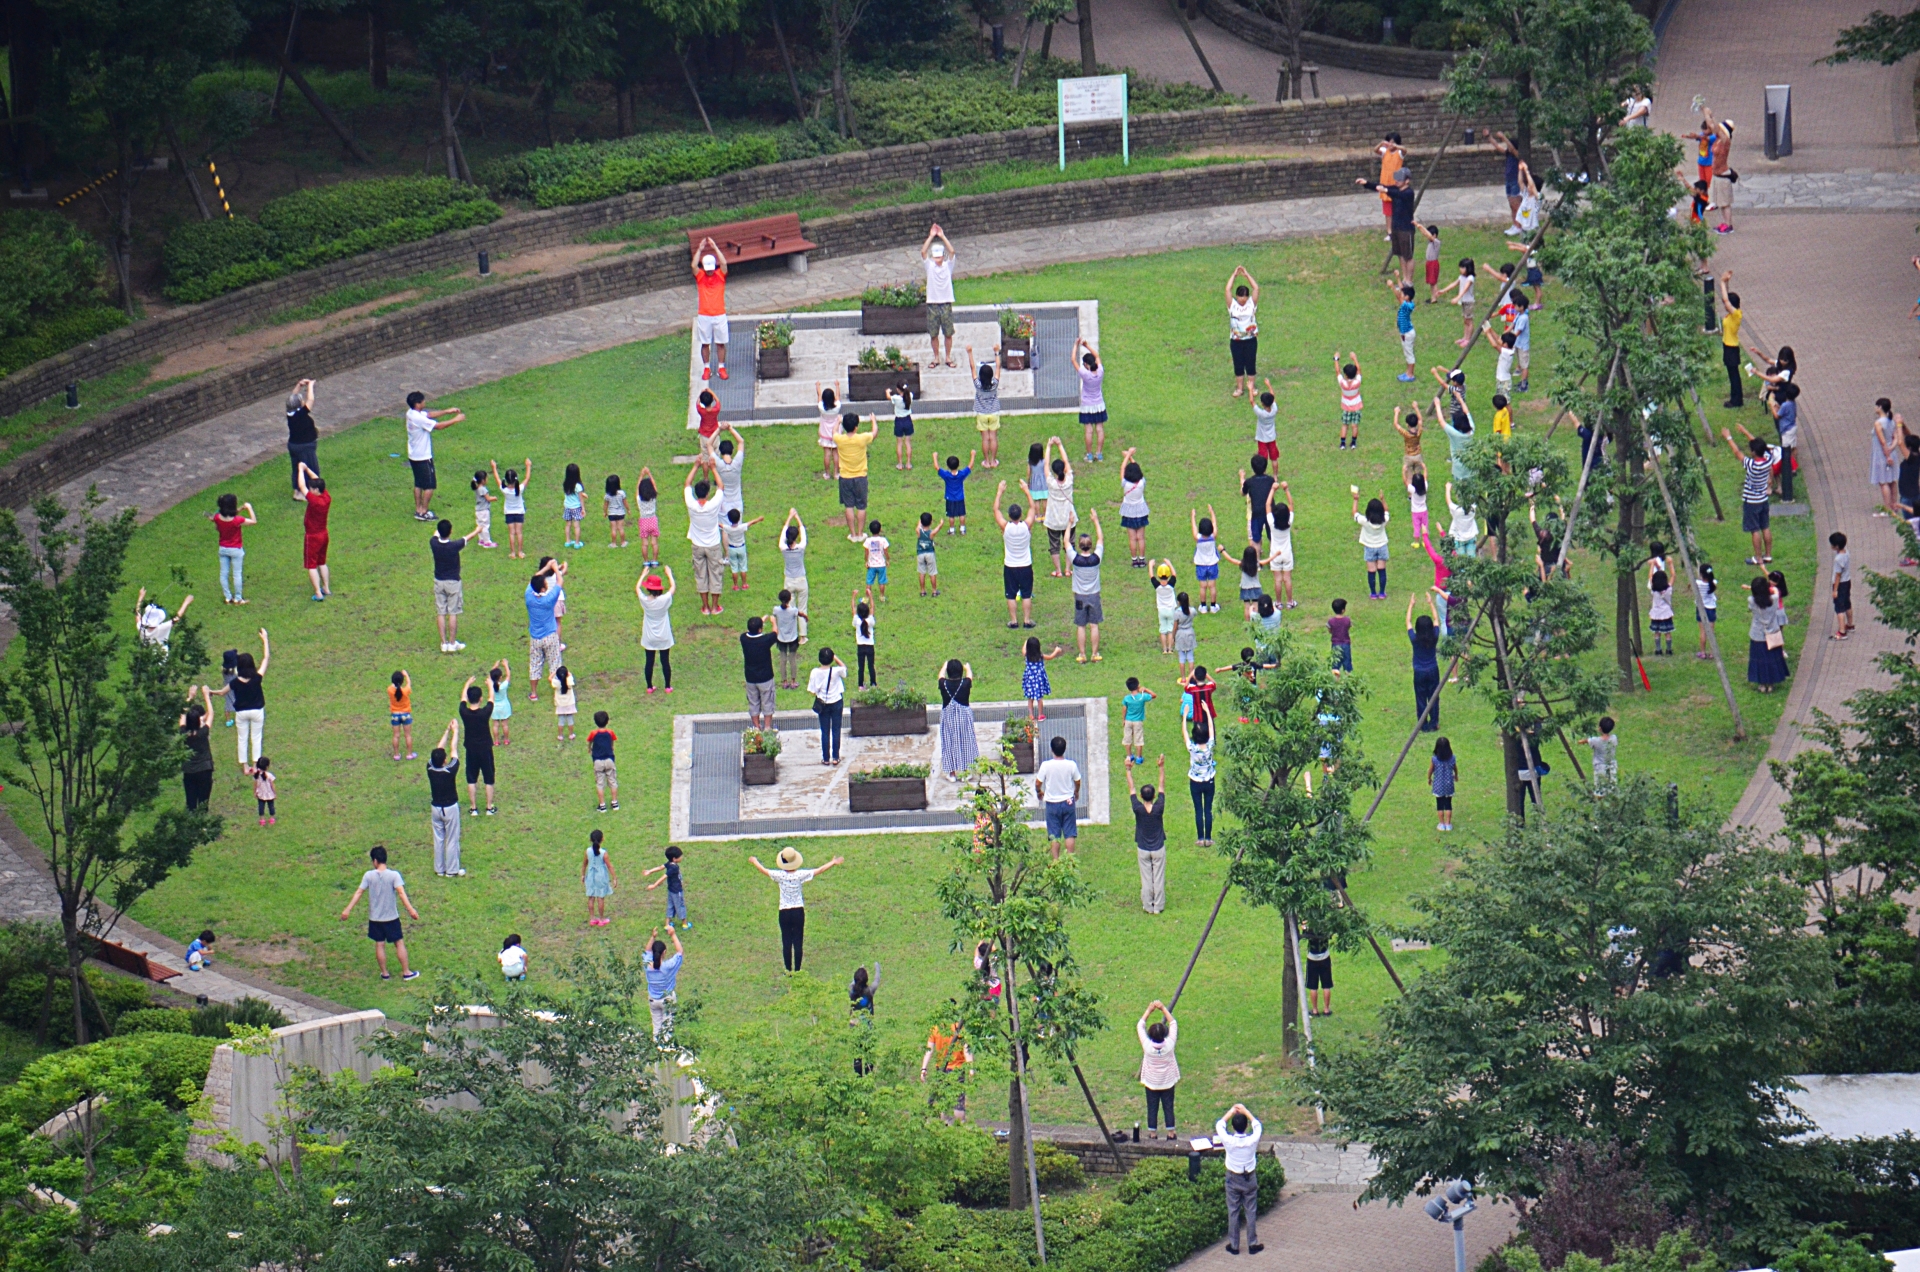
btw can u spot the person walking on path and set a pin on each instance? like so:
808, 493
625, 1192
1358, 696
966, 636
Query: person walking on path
663, 979
1016, 560
1159, 1070
828, 685
1766, 637
959, 748
421, 426
386, 892
937, 252
476, 721
1238, 1132
314, 546
1243, 329
1057, 781
249, 694
542, 599
1756, 494
1883, 458
703, 534
852, 446
448, 598
1150, 838
656, 623
756, 649
1399, 196
596, 876
229, 518
1423, 634
791, 877
443, 799
710, 318
303, 438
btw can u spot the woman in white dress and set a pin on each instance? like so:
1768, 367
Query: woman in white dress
656, 623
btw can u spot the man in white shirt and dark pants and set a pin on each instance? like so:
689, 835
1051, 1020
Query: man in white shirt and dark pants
421, 424
1058, 781
1239, 1134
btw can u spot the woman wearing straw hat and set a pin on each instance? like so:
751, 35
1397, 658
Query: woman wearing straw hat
793, 906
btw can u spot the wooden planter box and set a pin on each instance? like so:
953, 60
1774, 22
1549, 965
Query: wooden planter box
758, 770
1023, 757
879, 722
888, 320
871, 386
1016, 353
775, 364
887, 794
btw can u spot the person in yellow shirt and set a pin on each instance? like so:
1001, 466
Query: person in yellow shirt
852, 448
1502, 416
1730, 339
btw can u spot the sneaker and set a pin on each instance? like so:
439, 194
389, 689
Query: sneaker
1513, 230
491, 810
1404, 378
273, 821
723, 373
616, 806
599, 808
459, 645
1723, 229
386, 976
414, 975
1255, 1247
706, 373
456, 874
445, 648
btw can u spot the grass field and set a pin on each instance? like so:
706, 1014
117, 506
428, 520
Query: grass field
274, 893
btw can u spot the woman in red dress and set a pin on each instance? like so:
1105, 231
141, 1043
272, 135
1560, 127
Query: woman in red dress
319, 503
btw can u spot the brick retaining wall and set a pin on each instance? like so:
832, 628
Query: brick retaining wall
1335, 121
517, 300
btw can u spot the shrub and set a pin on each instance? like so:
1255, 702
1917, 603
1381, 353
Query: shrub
899, 698
1434, 33
164, 1061
1353, 20
775, 335
1015, 325
1593, 1199
894, 109
985, 1184
212, 1020
58, 334
20, 1003
760, 742
887, 359
889, 770
895, 295
175, 1020
587, 171
48, 265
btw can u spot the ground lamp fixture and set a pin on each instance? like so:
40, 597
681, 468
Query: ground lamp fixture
1453, 1206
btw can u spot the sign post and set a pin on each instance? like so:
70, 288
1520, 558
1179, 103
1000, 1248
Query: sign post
1090, 99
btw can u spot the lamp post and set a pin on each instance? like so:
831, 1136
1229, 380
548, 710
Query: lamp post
1453, 1207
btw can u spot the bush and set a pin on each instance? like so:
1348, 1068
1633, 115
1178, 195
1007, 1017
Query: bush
918, 106
1434, 33
886, 771
895, 295
165, 1063
21, 999
1353, 20
985, 1184
58, 334
176, 1020
311, 227
48, 265
896, 699
587, 171
212, 1020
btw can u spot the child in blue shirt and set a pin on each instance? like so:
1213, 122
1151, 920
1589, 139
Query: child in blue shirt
1403, 323
200, 953
955, 479
676, 894
1133, 724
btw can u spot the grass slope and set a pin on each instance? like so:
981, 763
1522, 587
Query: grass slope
274, 893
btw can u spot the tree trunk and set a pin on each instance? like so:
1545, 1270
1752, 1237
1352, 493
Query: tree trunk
1017, 1197
123, 228
325, 111
77, 980
1289, 999
1088, 66
446, 128
1046, 42
187, 171
1295, 59
837, 39
686, 71
1020, 62
623, 109
46, 1011
1523, 134
377, 45
286, 58
1516, 760
786, 59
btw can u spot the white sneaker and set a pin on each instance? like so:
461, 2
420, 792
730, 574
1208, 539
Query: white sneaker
1513, 230
458, 645
445, 648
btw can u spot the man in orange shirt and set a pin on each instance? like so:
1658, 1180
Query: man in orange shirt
951, 1049
1392, 159
710, 323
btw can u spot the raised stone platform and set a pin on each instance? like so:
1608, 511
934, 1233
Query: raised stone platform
810, 799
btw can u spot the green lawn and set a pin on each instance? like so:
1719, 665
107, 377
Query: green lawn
274, 893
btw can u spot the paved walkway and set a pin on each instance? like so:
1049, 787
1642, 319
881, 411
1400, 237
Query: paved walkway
1331, 1232
1145, 35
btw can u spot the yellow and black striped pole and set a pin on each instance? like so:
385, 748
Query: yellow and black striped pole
88, 188
219, 189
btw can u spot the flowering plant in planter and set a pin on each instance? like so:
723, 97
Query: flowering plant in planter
1015, 325
886, 771
890, 358
760, 742
1019, 729
896, 699
777, 334
895, 295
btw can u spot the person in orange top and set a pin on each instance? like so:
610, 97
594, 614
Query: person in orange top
1392, 159
710, 323
400, 711
951, 1048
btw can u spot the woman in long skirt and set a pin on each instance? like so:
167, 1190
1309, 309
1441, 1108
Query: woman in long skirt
1766, 665
958, 747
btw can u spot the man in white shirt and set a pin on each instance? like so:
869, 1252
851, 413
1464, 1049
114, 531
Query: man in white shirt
703, 532
421, 424
1239, 1134
1058, 782
937, 252
1016, 561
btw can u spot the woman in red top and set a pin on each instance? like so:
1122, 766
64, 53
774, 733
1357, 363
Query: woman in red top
233, 557
319, 503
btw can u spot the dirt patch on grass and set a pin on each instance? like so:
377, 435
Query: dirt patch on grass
273, 952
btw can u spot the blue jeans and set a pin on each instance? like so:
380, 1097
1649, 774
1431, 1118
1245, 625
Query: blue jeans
1202, 815
232, 561
829, 714
1343, 657
676, 906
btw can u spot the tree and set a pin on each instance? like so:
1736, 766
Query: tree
1295, 17
1296, 836
839, 18
449, 39
1045, 13
560, 43
120, 69
1002, 890
1526, 654
96, 737
1627, 970
1627, 263
1882, 38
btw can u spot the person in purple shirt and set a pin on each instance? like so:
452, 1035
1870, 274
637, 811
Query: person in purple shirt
543, 626
1093, 403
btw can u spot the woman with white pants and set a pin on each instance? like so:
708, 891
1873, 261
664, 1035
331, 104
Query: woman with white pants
250, 701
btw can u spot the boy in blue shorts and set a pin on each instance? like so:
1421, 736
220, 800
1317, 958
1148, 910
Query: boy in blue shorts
676, 895
955, 479
879, 552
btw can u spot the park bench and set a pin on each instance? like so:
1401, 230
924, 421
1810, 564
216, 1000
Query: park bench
755, 240
130, 960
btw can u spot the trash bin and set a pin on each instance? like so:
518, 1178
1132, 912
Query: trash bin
1778, 109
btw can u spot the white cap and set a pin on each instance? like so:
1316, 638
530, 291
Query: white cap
708, 263
939, 250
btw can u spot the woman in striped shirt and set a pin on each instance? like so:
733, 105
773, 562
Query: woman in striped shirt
1756, 508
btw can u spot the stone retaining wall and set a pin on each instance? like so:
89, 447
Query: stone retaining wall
517, 300
1328, 50
1336, 121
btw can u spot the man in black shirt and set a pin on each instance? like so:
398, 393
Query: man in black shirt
303, 439
447, 599
1150, 838
443, 787
1259, 492
1400, 196
756, 646
476, 719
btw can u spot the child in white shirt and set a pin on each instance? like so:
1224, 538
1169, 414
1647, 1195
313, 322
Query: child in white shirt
513, 958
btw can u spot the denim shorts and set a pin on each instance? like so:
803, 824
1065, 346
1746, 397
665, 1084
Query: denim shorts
1205, 573
1375, 554
1060, 821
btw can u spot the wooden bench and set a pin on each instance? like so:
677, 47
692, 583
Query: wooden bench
130, 960
760, 239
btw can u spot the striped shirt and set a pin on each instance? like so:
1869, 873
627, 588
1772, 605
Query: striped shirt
1759, 481
1349, 392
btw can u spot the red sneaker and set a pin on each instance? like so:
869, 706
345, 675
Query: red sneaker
723, 373
706, 373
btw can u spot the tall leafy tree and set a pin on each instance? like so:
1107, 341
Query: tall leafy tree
120, 70
839, 18
559, 43
96, 741
1884, 38
1628, 970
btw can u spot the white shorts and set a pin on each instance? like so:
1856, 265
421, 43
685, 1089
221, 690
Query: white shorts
1283, 562
1406, 345
709, 329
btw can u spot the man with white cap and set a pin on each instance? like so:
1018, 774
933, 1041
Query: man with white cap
710, 322
793, 905
937, 252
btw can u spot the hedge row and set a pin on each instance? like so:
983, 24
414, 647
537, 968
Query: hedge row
311, 227
54, 335
924, 105
167, 1064
586, 171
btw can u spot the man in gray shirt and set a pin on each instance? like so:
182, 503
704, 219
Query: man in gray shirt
1086, 590
1150, 838
386, 893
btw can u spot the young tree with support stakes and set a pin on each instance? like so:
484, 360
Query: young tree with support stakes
1526, 654
1004, 889
96, 740
1289, 775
